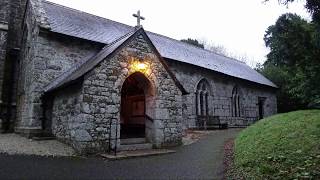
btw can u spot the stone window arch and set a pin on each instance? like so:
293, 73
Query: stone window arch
201, 97
236, 102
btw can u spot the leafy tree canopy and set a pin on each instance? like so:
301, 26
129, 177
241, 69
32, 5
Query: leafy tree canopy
290, 41
293, 62
313, 7
217, 48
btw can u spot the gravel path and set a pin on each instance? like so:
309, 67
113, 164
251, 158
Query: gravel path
193, 136
200, 160
16, 144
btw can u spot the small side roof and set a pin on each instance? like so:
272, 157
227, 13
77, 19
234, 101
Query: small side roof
84, 66
80, 69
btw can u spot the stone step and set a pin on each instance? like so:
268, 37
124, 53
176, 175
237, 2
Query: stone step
133, 141
137, 153
43, 138
134, 147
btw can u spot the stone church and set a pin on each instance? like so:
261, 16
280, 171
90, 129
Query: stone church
94, 83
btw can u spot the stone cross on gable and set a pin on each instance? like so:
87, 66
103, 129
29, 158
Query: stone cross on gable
139, 17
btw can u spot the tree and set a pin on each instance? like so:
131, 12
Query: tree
293, 61
281, 77
218, 49
289, 40
313, 6
193, 42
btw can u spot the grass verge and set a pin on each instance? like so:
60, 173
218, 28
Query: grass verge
284, 146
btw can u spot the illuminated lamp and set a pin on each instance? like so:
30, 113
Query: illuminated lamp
138, 65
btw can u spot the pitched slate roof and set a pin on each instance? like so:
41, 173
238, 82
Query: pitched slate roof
83, 67
79, 24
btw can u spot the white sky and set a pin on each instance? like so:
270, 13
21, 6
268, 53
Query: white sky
237, 25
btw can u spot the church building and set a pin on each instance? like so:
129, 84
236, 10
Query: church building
99, 85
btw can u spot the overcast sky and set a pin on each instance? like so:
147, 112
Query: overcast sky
237, 25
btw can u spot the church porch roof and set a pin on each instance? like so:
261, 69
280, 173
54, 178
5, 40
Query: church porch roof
83, 67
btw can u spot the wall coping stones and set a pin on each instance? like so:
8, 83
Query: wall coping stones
4, 26
40, 13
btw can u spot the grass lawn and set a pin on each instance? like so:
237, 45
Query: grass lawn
284, 146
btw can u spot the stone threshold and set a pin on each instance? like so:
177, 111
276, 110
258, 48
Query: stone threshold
4, 26
138, 153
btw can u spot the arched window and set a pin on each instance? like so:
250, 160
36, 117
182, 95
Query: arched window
201, 94
235, 102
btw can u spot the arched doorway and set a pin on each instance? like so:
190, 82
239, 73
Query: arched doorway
135, 104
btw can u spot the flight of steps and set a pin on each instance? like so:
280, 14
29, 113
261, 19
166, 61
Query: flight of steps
133, 144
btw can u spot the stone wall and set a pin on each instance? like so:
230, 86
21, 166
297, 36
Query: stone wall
53, 55
68, 124
15, 18
102, 93
220, 95
3, 45
17, 9
4, 18
30, 31
100, 101
44, 57
4, 13
11, 17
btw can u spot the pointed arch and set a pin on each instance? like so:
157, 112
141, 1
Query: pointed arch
201, 97
137, 97
236, 101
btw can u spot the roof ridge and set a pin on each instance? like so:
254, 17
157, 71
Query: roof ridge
77, 10
124, 36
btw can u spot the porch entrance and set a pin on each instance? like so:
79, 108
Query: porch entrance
133, 107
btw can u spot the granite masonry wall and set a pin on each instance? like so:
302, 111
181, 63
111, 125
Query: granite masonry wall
67, 123
220, 95
15, 14
44, 57
4, 11
4, 14
100, 101
25, 69
3, 44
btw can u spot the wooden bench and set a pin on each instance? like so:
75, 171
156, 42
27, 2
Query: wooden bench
215, 121
210, 122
